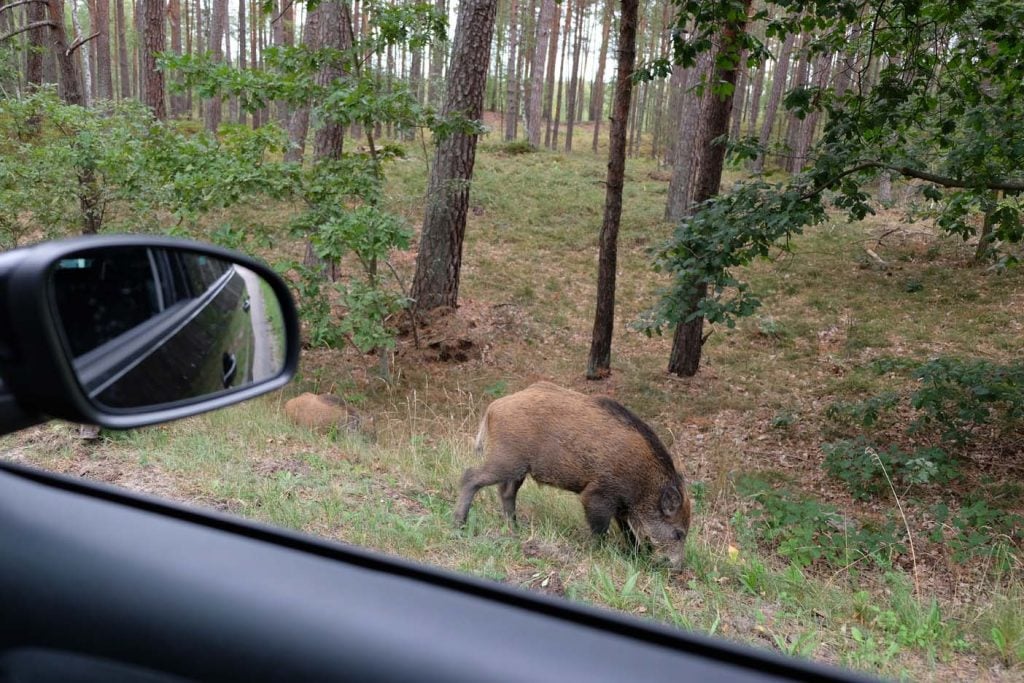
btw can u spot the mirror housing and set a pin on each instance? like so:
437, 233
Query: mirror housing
36, 358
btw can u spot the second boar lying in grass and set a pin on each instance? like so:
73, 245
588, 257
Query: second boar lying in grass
592, 446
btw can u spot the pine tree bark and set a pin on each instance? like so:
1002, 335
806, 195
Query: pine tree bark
754, 109
179, 105
599, 360
556, 117
511, 75
688, 340
154, 41
774, 98
439, 261
35, 12
124, 69
437, 59
334, 30
533, 115
597, 92
242, 33
549, 96
99, 14
69, 76
794, 124
686, 153
822, 72
739, 98
298, 127
574, 79
416, 75
218, 19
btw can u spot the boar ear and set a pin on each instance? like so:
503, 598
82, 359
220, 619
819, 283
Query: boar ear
671, 500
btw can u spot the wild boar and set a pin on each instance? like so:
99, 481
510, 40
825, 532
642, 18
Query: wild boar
593, 446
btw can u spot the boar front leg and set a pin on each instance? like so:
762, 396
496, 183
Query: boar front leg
623, 519
599, 509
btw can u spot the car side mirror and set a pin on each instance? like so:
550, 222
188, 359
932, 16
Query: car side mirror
126, 331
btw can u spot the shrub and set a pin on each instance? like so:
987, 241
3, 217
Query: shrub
864, 467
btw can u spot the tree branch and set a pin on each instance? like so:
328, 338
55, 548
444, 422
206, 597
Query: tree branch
17, 3
28, 27
944, 181
79, 43
1005, 185
283, 10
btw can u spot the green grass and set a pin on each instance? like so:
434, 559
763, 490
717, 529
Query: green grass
756, 407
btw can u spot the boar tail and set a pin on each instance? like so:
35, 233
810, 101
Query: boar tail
481, 435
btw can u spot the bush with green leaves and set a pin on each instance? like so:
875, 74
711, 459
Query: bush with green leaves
869, 471
950, 402
979, 529
808, 532
65, 169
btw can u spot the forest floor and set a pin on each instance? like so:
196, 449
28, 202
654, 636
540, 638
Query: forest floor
782, 555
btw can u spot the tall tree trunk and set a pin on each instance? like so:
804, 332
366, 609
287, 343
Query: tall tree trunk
86, 65
549, 96
774, 98
566, 38
794, 124
178, 101
439, 261
739, 98
334, 27
599, 361
822, 71
218, 19
574, 79
597, 93
533, 118
754, 109
848, 64
298, 127
416, 75
100, 16
232, 101
68, 74
687, 148
688, 340
154, 41
437, 58
35, 12
677, 99
243, 31
255, 53
70, 87
512, 78
124, 72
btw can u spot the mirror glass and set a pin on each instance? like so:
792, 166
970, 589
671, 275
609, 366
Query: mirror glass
153, 325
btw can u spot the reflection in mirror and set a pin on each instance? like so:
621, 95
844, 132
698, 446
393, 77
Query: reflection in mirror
153, 325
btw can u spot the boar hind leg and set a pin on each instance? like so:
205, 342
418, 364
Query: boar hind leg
474, 479
598, 508
508, 489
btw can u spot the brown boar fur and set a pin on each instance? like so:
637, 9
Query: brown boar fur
325, 412
593, 446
